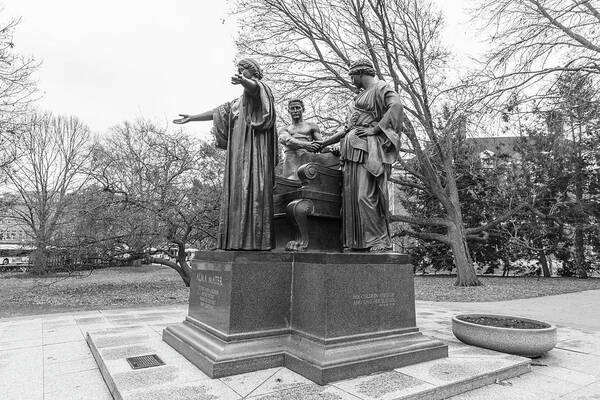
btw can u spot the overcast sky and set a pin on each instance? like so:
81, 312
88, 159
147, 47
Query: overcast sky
106, 61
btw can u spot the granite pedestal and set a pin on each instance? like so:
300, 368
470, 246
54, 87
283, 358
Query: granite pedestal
326, 316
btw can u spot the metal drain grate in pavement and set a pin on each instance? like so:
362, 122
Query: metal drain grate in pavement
147, 361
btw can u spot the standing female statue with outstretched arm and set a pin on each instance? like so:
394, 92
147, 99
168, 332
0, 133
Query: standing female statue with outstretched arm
245, 127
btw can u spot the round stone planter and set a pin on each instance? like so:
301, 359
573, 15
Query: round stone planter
525, 337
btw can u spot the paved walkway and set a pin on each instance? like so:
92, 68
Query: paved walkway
575, 310
571, 371
46, 357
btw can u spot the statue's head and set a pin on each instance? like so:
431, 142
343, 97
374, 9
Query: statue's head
249, 68
360, 68
296, 108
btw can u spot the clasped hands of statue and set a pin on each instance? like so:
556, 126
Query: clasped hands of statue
318, 146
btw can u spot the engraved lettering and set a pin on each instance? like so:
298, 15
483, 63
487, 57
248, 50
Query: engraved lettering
216, 280
385, 299
208, 297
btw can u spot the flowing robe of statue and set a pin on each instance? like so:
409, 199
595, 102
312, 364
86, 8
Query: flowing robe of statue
367, 165
245, 127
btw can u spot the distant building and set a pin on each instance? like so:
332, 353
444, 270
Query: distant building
491, 150
12, 231
500, 146
15, 246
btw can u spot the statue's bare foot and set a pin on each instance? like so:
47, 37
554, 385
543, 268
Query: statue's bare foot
294, 245
380, 248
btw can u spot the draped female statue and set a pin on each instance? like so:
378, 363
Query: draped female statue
245, 127
368, 145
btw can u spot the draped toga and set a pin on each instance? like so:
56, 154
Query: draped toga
367, 165
245, 127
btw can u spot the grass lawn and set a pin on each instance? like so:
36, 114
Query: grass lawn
496, 288
21, 294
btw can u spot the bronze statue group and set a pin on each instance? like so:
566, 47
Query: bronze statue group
368, 145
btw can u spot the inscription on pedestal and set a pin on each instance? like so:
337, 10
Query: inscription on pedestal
386, 299
209, 289
210, 297
333, 300
243, 292
214, 279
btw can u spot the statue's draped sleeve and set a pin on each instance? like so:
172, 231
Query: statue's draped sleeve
259, 108
259, 114
222, 120
383, 149
391, 121
260, 111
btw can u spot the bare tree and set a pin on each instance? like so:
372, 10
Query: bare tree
532, 39
17, 90
307, 45
52, 160
164, 190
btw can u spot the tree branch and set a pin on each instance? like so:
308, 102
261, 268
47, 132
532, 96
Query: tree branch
423, 235
496, 221
420, 221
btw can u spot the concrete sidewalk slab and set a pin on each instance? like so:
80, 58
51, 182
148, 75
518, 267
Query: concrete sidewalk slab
28, 365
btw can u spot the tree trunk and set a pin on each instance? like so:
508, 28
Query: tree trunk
544, 263
184, 272
580, 266
506, 266
184, 269
39, 259
465, 270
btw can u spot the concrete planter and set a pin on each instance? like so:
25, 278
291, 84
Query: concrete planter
522, 342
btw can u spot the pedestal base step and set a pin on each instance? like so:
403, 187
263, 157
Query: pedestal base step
320, 362
465, 369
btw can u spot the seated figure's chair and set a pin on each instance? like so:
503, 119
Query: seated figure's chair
307, 211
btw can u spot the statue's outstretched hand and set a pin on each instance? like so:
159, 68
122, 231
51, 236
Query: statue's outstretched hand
185, 118
239, 79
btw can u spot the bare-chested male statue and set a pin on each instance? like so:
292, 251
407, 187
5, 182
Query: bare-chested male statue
298, 140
